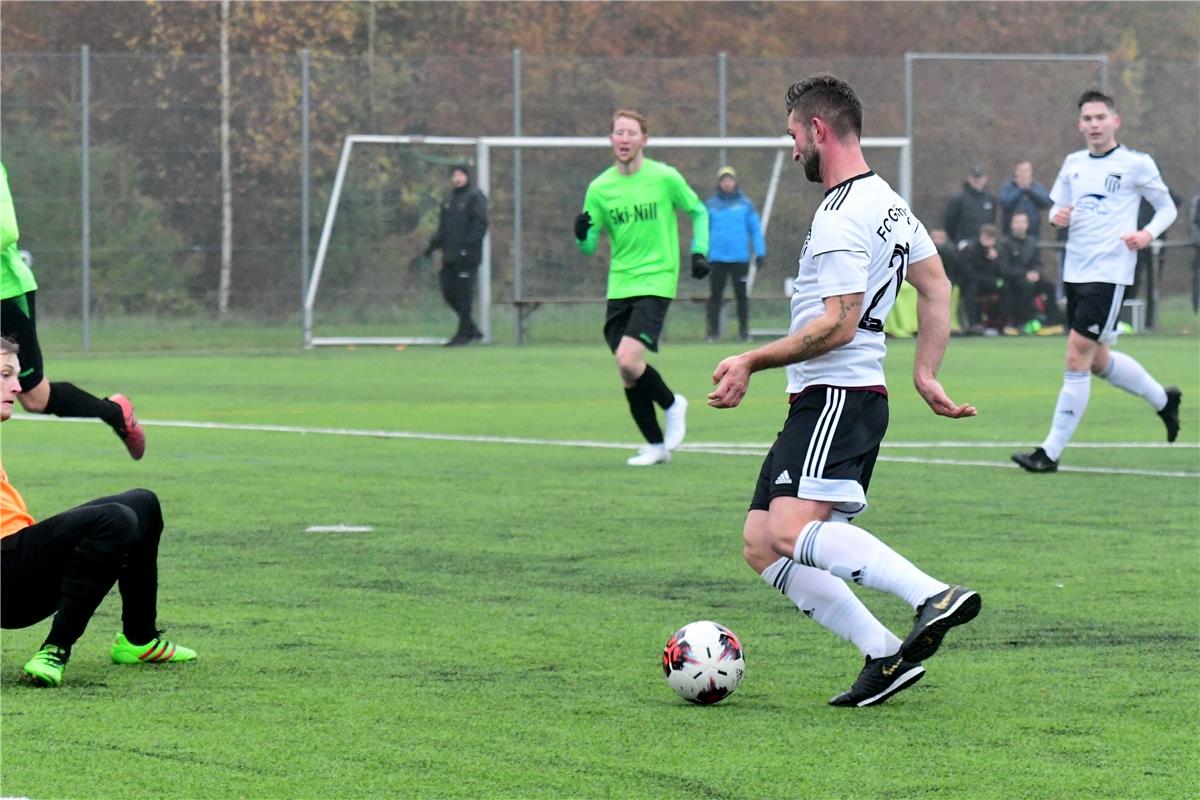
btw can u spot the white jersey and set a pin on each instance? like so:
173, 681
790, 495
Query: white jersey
1105, 192
862, 239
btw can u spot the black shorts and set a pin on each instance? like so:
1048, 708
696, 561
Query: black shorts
640, 318
826, 450
1093, 309
18, 322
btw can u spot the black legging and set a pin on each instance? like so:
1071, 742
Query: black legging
721, 270
66, 564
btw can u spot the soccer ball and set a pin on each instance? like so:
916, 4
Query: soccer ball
703, 662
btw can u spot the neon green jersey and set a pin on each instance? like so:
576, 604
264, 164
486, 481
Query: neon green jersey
16, 278
638, 211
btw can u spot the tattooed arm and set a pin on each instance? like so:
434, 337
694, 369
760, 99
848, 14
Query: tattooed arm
829, 331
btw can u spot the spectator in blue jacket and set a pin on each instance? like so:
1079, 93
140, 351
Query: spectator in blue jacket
1021, 194
733, 225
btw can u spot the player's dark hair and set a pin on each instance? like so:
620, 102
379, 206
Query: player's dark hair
1097, 96
831, 99
7, 345
631, 114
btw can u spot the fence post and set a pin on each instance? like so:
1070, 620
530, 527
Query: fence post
304, 179
518, 287
721, 105
85, 192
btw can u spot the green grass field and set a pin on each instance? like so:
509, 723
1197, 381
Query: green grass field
497, 634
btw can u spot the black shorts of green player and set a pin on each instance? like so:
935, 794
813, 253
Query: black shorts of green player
813, 461
640, 318
1093, 309
19, 322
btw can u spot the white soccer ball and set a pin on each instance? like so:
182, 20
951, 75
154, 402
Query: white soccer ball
703, 662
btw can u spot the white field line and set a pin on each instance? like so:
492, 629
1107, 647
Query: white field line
339, 528
710, 448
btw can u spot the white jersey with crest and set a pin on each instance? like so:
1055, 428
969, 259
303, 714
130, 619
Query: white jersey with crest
862, 239
1105, 192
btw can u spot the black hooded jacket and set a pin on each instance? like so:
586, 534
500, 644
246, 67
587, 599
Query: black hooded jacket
461, 226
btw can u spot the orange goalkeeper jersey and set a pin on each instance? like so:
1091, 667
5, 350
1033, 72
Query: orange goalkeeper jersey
14, 515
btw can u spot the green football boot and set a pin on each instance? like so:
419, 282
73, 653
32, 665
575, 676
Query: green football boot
157, 651
46, 668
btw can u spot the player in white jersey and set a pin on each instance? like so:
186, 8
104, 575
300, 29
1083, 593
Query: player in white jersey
1096, 198
863, 242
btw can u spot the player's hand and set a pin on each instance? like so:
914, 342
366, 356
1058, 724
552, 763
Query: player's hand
1062, 217
583, 223
941, 404
1137, 240
700, 268
758, 262
732, 379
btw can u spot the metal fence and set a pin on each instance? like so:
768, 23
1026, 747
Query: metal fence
115, 160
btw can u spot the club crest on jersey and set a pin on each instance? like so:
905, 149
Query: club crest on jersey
1113, 182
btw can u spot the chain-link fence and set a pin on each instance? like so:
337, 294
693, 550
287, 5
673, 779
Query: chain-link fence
154, 209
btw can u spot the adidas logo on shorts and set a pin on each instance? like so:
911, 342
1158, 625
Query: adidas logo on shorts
783, 479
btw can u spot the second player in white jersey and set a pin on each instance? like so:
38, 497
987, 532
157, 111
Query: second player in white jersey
1104, 192
862, 239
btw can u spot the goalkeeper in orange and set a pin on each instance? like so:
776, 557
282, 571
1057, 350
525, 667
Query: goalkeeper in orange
63, 566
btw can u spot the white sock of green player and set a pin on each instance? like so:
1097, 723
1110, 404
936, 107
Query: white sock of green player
1072, 402
829, 601
1126, 373
851, 553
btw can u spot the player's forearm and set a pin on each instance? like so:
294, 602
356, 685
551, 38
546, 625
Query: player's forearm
827, 332
699, 215
933, 328
1164, 215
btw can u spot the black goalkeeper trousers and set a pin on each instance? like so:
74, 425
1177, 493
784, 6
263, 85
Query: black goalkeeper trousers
66, 564
458, 289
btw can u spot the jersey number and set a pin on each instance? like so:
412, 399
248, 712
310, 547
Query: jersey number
899, 263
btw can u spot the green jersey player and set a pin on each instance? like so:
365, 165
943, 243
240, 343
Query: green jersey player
18, 312
635, 200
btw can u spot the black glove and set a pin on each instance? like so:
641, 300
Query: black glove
583, 223
758, 262
700, 268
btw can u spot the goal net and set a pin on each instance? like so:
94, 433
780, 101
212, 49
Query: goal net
369, 284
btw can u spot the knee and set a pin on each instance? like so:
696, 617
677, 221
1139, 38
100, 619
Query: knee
35, 399
116, 527
147, 508
630, 366
757, 551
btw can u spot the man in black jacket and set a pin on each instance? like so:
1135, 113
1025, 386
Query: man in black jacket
969, 209
461, 228
1026, 295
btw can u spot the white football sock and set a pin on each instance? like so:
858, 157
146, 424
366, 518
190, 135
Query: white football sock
1126, 373
829, 601
852, 553
1072, 402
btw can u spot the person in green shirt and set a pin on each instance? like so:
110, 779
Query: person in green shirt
18, 320
635, 200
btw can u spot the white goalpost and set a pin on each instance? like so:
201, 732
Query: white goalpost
483, 148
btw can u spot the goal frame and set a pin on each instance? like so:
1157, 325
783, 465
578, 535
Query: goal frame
483, 148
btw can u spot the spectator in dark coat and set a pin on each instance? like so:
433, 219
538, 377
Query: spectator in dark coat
981, 278
1021, 193
1025, 295
969, 209
461, 227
